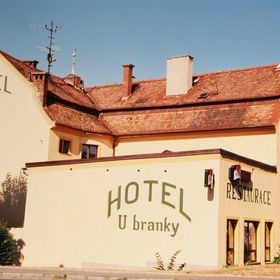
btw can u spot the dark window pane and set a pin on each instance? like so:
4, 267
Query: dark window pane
250, 241
60, 145
231, 227
89, 151
268, 227
92, 151
64, 146
84, 151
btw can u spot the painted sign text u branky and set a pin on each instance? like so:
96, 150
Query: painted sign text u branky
137, 224
134, 192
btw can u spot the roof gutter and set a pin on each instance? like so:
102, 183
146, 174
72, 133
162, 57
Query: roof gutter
58, 125
222, 152
259, 130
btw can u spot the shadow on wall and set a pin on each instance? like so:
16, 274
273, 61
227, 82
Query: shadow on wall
210, 194
13, 192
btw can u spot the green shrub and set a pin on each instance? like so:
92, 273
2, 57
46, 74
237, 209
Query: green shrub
159, 261
277, 259
171, 264
172, 260
10, 248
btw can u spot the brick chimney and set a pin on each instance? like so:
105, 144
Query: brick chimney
127, 80
179, 75
32, 63
74, 80
39, 79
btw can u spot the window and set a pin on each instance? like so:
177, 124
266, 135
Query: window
231, 227
64, 146
267, 238
250, 241
89, 151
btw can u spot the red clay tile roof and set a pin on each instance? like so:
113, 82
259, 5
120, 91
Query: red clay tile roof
250, 83
244, 98
68, 92
55, 84
193, 119
72, 118
24, 68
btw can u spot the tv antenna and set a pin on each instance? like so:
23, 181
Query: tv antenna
52, 29
74, 54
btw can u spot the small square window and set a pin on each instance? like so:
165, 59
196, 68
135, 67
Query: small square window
64, 146
89, 151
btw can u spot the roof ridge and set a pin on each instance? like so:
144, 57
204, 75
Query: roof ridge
120, 84
102, 86
21, 61
194, 75
238, 70
7, 55
150, 80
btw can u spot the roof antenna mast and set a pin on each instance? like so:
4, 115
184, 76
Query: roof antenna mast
52, 29
73, 71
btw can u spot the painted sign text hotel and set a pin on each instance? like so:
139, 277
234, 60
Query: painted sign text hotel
130, 194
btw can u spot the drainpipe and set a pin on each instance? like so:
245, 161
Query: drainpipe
114, 145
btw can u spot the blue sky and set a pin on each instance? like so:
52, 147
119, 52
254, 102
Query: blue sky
219, 34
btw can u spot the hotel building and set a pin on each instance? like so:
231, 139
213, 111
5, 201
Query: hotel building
117, 173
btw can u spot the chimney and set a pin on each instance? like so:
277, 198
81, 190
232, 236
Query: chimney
39, 79
77, 81
32, 63
74, 80
179, 75
127, 80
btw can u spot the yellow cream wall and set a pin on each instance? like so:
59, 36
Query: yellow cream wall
231, 207
68, 219
278, 143
261, 147
24, 126
77, 139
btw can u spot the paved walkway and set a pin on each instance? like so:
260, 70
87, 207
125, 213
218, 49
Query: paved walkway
25, 273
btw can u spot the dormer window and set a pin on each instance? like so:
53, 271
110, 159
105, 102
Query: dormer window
89, 151
203, 95
64, 146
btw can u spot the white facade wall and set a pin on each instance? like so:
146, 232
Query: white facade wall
261, 147
67, 213
24, 126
